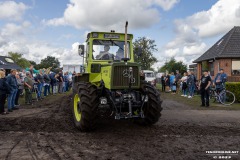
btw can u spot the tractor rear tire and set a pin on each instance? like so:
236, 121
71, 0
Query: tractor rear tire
85, 104
152, 108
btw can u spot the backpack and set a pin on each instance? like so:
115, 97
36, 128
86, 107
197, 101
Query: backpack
184, 85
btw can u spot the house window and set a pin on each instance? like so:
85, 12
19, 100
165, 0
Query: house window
211, 68
235, 67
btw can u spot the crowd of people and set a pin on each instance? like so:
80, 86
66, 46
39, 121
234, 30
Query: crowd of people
188, 85
42, 83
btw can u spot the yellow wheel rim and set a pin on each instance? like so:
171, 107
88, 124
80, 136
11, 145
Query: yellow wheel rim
77, 112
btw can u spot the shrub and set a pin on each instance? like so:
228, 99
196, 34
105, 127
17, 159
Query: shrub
235, 88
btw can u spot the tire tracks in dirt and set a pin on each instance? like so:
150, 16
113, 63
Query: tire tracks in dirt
8, 156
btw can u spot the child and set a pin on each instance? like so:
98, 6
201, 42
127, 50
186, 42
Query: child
174, 86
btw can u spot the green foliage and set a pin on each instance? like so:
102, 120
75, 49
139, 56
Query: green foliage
19, 60
148, 46
173, 65
36, 66
33, 63
49, 62
205, 65
235, 88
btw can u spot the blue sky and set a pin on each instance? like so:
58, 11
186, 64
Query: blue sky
181, 28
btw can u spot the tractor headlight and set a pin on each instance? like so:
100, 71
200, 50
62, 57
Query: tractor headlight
103, 100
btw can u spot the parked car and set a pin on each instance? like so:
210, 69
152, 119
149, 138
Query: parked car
150, 77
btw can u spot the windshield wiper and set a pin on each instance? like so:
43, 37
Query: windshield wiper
116, 44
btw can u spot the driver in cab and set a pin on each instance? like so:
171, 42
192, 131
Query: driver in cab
105, 55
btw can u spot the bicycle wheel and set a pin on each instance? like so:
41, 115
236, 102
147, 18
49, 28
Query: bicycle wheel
212, 97
227, 98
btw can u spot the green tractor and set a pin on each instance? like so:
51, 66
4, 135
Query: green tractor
112, 83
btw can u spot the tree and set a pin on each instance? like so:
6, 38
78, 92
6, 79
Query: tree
33, 63
19, 60
49, 62
173, 65
147, 46
36, 66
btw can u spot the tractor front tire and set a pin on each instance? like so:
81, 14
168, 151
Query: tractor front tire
152, 108
85, 104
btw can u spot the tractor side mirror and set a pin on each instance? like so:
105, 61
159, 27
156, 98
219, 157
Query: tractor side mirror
138, 51
81, 50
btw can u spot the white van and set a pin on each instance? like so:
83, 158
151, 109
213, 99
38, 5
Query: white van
150, 77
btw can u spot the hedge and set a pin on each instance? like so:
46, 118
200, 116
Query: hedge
235, 88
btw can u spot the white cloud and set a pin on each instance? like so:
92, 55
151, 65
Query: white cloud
38, 51
11, 29
166, 4
171, 52
219, 19
12, 11
111, 14
192, 31
195, 49
13, 47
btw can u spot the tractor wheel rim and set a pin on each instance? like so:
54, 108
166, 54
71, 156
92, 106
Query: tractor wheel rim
77, 109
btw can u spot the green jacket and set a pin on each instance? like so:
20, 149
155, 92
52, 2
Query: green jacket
29, 81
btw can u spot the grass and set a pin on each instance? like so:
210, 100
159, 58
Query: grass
195, 102
49, 98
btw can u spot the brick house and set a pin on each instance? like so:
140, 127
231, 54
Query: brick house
225, 53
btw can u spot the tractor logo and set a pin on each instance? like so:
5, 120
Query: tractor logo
125, 73
128, 73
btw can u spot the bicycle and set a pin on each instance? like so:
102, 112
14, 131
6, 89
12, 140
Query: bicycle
223, 96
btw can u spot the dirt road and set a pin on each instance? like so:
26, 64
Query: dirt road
45, 131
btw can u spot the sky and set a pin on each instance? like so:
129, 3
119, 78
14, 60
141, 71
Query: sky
183, 29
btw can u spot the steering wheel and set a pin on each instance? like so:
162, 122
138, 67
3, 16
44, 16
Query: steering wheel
105, 56
117, 57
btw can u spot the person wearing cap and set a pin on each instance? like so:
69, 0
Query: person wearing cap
220, 80
28, 85
12, 81
204, 85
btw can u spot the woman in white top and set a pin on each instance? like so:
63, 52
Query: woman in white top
184, 84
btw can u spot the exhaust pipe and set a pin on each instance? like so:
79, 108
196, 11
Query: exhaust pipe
126, 48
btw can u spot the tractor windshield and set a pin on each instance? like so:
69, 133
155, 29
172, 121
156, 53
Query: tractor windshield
109, 50
149, 74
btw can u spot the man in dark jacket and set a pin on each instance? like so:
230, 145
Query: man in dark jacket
204, 85
12, 82
40, 81
60, 82
4, 90
28, 85
52, 80
190, 84
178, 77
220, 80
46, 84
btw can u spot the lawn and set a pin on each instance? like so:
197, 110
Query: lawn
49, 98
195, 102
